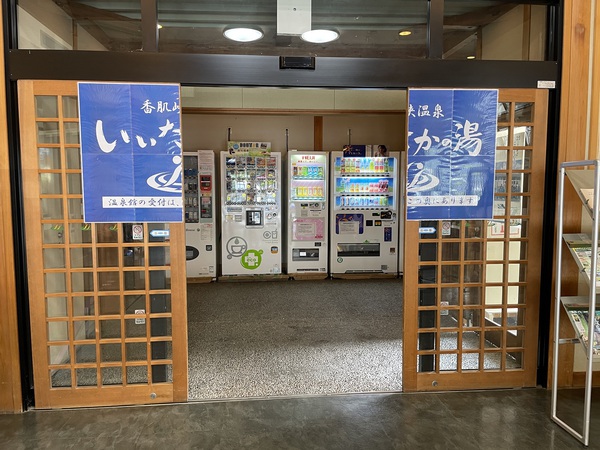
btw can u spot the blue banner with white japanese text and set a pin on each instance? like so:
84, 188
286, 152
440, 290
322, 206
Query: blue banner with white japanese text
451, 153
131, 152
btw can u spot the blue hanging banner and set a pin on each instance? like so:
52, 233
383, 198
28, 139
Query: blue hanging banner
131, 152
451, 154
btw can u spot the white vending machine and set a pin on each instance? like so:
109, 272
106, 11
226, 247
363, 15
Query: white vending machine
307, 213
199, 204
364, 214
250, 210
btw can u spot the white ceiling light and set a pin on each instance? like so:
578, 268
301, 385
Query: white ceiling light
243, 34
320, 36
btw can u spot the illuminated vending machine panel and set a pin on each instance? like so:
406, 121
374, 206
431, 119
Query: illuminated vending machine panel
250, 211
307, 213
199, 204
364, 214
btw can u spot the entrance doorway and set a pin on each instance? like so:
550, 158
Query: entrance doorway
86, 281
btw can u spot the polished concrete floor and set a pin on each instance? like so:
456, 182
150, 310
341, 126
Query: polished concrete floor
506, 419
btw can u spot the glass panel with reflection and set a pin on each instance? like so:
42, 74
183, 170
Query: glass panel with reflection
46, 106
49, 158
56, 306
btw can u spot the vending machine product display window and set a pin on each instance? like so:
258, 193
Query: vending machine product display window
199, 194
364, 213
250, 209
307, 213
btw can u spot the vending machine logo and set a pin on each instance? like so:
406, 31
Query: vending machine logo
236, 247
251, 259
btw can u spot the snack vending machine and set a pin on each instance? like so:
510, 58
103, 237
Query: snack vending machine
250, 211
307, 212
199, 204
364, 214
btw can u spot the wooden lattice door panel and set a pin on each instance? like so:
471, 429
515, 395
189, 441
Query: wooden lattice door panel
472, 286
107, 301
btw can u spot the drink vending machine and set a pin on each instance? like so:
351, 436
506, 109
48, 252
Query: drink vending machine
250, 210
307, 212
364, 214
199, 204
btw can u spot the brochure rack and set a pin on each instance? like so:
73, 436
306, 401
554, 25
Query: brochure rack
584, 176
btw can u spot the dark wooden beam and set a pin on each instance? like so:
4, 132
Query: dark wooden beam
230, 70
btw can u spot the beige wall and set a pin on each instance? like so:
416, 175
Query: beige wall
209, 131
517, 35
43, 21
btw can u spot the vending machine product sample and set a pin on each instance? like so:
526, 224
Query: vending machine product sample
250, 209
364, 213
199, 204
307, 212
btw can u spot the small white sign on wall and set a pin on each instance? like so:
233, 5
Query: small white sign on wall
141, 320
137, 232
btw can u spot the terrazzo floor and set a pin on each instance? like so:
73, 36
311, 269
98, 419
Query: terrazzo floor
286, 338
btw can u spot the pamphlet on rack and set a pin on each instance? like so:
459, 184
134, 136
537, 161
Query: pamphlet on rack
580, 245
584, 256
580, 320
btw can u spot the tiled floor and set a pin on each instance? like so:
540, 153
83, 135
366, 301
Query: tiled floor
507, 419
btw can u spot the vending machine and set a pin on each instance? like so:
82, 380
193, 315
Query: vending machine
250, 209
307, 213
365, 207
199, 204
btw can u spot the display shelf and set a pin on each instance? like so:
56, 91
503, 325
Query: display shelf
584, 177
583, 183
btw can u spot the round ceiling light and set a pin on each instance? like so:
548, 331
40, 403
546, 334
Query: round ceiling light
243, 34
405, 33
320, 36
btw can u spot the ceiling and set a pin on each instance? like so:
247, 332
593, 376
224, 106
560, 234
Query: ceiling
367, 28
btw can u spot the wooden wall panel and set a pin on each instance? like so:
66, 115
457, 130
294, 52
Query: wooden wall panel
574, 134
10, 376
